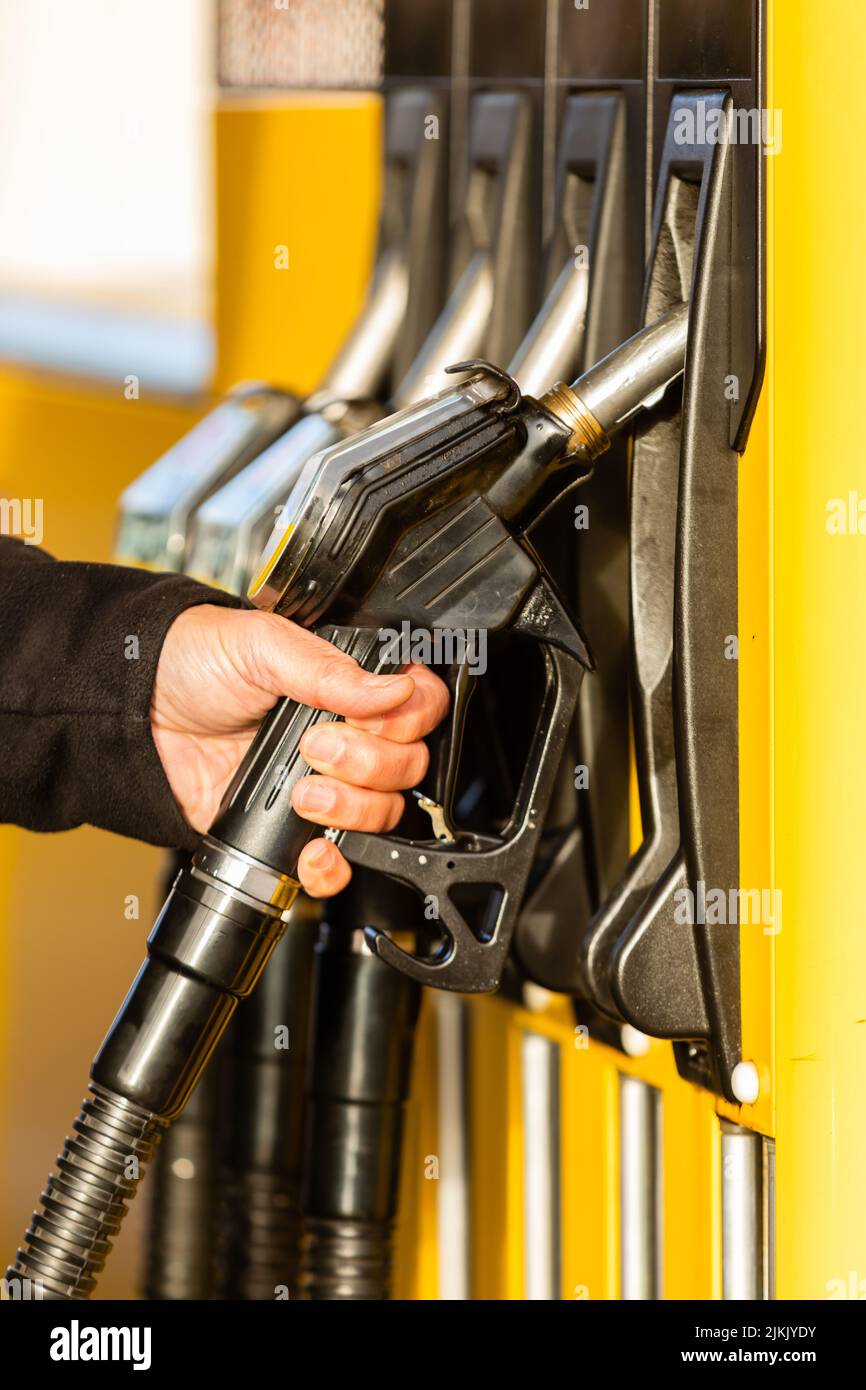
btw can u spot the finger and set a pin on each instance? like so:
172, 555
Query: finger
325, 801
415, 717
322, 869
366, 760
288, 660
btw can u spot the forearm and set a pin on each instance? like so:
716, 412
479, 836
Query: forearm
79, 646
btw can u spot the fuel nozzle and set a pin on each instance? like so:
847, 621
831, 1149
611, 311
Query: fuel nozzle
633, 377
421, 519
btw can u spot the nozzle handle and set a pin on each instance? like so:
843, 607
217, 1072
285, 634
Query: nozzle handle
257, 816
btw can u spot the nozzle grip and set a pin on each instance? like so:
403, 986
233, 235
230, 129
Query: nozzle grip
472, 957
257, 816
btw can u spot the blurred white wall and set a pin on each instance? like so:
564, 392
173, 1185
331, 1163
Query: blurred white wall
105, 151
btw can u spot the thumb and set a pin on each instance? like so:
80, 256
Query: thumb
289, 660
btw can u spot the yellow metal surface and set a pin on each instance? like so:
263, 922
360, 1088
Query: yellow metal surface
416, 1259
495, 1259
297, 209
817, 310
589, 1160
590, 1171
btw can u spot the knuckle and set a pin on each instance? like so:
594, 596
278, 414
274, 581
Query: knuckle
432, 705
438, 702
331, 677
394, 812
422, 760
384, 814
385, 819
352, 809
418, 723
368, 761
417, 761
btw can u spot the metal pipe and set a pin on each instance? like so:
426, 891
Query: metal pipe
742, 1213
554, 339
365, 355
452, 1190
640, 1189
769, 1147
457, 335
539, 1070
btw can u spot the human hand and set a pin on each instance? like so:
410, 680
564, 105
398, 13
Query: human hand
222, 669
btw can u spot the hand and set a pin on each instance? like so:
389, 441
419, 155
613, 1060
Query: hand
222, 669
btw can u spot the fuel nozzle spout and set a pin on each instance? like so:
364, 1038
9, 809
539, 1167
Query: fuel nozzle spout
633, 377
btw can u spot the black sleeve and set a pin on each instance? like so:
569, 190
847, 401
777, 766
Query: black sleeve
79, 646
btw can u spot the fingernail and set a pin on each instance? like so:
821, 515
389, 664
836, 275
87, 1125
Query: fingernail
318, 850
324, 744
314, 795
382, 682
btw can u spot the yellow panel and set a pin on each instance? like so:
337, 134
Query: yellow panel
590, 1171
297, 208
512, 1156
77, 446
589, 1158
491, 1106
416, 1258
691, 1185
817, 312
